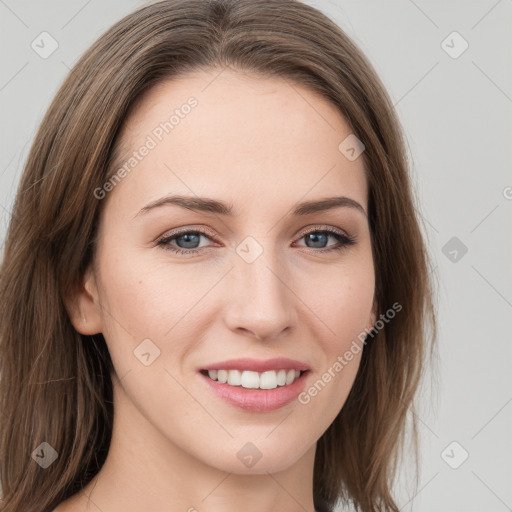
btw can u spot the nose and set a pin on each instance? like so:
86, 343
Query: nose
260, 301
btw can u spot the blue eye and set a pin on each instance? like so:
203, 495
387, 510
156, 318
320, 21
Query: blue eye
319, 239
188, 242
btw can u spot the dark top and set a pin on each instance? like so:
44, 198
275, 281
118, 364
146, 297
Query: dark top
320, 505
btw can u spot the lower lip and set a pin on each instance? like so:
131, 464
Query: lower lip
257, 400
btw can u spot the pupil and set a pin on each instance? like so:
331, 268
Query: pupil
317, 238
189, 239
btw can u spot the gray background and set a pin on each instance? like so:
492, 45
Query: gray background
456, 114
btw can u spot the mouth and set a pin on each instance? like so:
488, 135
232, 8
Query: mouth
270, 379
254, 385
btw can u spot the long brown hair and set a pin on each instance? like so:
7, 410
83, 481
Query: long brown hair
55, 383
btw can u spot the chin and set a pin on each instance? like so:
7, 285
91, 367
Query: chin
257, 457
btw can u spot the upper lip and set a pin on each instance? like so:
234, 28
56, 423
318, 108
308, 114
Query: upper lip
258, 365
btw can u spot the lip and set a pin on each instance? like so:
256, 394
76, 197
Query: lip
256, 400
255, 365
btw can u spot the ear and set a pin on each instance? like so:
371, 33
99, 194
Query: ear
84, 308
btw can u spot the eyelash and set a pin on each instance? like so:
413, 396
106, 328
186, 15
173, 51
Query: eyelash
343, 239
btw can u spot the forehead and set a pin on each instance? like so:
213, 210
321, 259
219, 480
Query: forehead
239, 136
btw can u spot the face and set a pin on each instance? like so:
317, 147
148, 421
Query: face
235, 274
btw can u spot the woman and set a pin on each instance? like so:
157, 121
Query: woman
215, 289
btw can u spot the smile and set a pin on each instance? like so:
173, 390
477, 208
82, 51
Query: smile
256, 385
270, 379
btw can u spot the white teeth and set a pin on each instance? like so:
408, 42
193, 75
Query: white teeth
253, 380
234, 377
250, 380
268, 380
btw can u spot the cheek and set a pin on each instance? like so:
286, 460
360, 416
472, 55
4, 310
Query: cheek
152, 299
149, 297
345, 308
349, 313
342, 304
341, 299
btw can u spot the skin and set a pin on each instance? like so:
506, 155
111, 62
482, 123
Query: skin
262, 146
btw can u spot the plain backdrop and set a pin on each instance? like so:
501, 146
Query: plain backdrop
447, 67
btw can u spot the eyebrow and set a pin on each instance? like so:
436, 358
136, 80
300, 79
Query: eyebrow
208, 205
